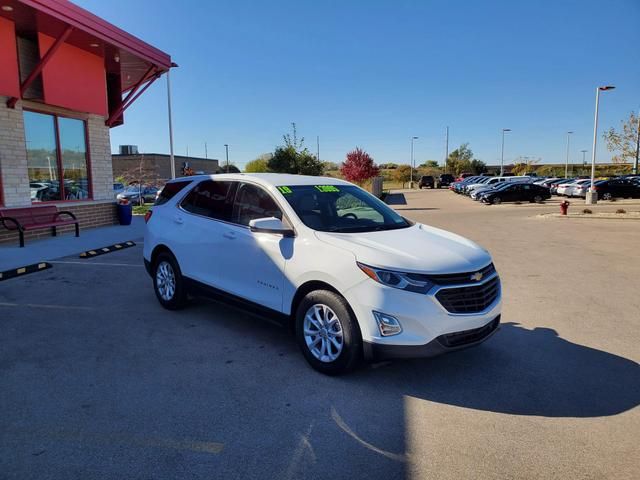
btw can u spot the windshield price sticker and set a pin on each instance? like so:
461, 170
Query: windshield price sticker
327, 188
285, 190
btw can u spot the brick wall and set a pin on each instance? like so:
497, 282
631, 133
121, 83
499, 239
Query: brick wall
13, 156
89, 215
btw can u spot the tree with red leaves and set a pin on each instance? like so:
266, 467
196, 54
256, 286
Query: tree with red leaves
358, 167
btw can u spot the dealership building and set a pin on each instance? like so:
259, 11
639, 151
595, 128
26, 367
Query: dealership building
66, 78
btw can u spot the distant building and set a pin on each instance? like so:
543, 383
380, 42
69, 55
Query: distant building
158, 164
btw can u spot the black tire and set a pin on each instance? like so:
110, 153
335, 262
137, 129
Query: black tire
351, 354
607, 196
496, 201
178, 299
537, 199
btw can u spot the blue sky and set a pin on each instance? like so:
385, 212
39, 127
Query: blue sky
372, 74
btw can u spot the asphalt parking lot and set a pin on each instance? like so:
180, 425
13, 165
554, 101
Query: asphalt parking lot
98, 381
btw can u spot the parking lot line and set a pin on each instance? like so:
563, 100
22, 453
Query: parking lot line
98, 263
118, 439
38, 305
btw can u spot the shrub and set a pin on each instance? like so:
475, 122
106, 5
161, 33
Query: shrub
587, 211
621, 210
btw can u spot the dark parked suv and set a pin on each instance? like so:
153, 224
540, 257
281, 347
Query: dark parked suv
427, 181
446, 179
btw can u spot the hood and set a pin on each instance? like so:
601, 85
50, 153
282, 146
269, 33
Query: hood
419, 248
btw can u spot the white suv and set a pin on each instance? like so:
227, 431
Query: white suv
351, 276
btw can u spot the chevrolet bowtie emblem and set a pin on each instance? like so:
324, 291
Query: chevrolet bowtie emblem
477, 276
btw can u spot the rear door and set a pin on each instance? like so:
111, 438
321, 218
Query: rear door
198, 241
254, 263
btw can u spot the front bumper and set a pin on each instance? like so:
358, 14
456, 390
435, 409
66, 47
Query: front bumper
443, 344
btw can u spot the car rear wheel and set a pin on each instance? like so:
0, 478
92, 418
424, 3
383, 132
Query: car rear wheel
607, 196
327, 333
537, 199
168, 282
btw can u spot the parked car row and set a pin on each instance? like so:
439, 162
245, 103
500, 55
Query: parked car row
495, 190
136, 194
627, 186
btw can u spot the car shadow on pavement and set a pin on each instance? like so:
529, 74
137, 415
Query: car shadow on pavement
414, 209
521, 372
395, 199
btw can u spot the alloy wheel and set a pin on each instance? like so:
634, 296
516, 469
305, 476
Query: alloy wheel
323, 333
165, 281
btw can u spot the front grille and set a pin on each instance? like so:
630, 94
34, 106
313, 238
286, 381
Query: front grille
458, 339
472, 299
456, 278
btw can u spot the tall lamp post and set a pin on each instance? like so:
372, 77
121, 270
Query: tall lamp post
504, 130
584, 161
592, 197
412, 161
446, 153
566, 163
226, 148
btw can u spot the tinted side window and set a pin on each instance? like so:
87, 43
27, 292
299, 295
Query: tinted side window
253, 202
211, 199
169, 191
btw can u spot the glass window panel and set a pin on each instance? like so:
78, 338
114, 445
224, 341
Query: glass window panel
74, 158
42, 163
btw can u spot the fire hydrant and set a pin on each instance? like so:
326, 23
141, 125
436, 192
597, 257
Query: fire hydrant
564, 206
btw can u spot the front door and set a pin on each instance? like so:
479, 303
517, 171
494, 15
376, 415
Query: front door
254, 263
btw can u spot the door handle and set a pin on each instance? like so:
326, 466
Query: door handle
229, 235
178, 219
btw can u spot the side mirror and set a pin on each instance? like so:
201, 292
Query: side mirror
270, 225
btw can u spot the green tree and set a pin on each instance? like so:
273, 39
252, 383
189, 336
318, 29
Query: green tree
259, 165
293, 157
459, 160
477, 166
229, 169
330, 166
402, 174
626, 141
430, 164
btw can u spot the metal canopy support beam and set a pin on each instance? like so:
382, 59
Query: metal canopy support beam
11, 103
114, 115
130, 99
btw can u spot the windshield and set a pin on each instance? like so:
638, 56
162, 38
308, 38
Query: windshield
339, 208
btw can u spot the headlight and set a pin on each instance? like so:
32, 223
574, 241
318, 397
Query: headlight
404, 281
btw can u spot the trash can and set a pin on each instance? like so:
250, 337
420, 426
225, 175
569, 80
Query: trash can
125, 213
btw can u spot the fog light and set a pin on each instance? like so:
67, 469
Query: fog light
387, 324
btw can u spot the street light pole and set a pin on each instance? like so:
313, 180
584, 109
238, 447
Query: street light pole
635, 164
592, 197
566, 164
446, 154
171, 159
226, 147
502, 154
584, 161
411, 183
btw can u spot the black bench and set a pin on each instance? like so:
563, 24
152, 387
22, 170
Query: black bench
34, 218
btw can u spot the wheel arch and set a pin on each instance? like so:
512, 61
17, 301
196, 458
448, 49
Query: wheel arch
311, 286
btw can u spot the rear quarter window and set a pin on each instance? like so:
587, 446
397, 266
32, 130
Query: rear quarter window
169, 191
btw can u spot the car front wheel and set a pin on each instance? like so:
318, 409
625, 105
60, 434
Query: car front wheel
327, 333
607, 196
496, 201
168, 282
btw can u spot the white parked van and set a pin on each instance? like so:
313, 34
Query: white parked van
352, 277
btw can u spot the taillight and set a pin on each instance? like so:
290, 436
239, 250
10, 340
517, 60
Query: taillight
147, 216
